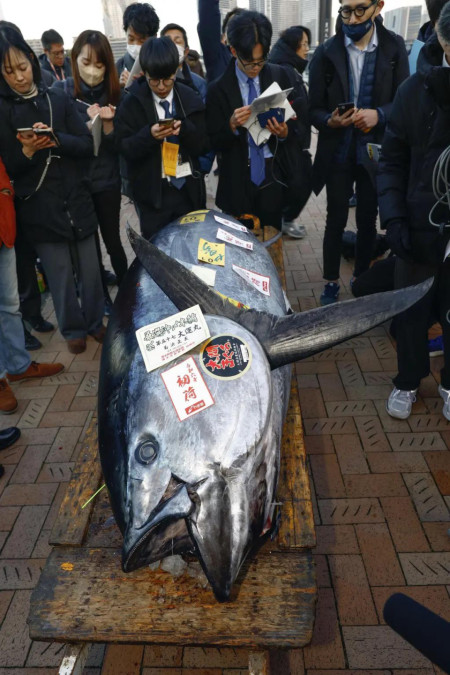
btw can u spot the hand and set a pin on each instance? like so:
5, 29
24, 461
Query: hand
161, 132
123, 79
239, 117
337, 121
93, 110
365, 119
34, 143
398, 238
107, 112
279, 129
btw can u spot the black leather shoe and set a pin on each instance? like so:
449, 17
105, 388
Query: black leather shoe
41, 325
31, 342
8, 437
109, 278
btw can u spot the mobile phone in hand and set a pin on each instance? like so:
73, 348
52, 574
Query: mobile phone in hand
46, 132
345, 107
166, 122
26, 132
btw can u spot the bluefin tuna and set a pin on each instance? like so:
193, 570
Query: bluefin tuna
207, 484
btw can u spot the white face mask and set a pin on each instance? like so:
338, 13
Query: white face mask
180, 53
91, 75
133, 51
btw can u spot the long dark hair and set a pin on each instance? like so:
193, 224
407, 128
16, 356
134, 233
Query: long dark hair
13, 39
100, 45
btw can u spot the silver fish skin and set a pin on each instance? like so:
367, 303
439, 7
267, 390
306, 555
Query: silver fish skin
207, 484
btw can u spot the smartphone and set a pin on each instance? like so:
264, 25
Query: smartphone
167, 122
345, 107
26, 132
47, 132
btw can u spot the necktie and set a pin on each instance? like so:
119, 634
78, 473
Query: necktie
176, 182
257, 162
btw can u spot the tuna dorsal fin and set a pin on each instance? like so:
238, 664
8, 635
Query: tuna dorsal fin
288, 338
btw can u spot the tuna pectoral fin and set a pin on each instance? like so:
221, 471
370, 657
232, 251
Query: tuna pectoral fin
284, 339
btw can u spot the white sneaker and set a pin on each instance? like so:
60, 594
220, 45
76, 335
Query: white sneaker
445, 393
293, 229
399, 403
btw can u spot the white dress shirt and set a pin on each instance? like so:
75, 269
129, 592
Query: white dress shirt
356, 58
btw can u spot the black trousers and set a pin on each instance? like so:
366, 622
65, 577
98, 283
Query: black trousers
175, 203
30, 296
411, 327
339, 190
107, 208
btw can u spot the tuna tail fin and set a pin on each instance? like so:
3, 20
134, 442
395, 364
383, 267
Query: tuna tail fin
285, 339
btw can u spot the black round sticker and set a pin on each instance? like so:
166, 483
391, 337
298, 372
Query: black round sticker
226, 356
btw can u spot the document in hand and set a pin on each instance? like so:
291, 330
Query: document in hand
136, 70
96, 130
272, 97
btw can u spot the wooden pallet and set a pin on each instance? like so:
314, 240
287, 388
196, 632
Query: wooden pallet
83, 596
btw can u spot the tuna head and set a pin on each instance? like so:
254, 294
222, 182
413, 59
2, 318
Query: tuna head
204, 484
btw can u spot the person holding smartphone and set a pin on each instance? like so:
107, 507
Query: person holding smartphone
353, 78
161, 132
53, 204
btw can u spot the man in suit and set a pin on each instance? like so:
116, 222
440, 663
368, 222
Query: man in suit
252, 178
363, 65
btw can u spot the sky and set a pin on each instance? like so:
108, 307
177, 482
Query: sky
70, 17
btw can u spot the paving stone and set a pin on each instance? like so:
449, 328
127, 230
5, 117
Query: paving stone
439, 464
375, 485
350, 454
46, 654
352, 592
396, 462
314, 367
5, 600
25, 532
423, 569
156, 655
368, 359
213, 657
350, 408
360, 672
308, 382
423, 442
24, 495
433, 405
33, 413
80, 367
325, 649
56, 472
35, 392
392, 424
338, 425
30, 464
433, 597
20, 574
9, 469
12, 454
38, 436
371, 434
383, 348
327, 476
322, 571
89, 385
428, 423
404, 524
427, 499
63, 378
335, 355
379, 555
344, 511
380, 647
14, 639
379, 378
351, 374
84, 403
42, 548
8, 516
56, 503
331, 387
122, 660
319, 445
355, 343
64, 419
336, 539
437, 534
64, 444
63, 399
311, 403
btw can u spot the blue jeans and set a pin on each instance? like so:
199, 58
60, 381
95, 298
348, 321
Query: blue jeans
13, 356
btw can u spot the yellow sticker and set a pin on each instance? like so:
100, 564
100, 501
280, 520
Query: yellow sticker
170, 158
210, 252
68, 567
194, 217
236, 303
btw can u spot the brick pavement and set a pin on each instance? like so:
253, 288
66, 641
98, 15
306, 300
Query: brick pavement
381, 490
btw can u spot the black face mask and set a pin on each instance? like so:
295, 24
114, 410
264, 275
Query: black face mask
439, 81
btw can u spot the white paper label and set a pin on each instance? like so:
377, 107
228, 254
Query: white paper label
259, 281
206, 274
228, 223
187, 389
231, 239
166, 340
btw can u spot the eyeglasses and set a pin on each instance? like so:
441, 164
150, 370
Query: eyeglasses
304, 44
166, 81
346, 12
252, 64
60, 52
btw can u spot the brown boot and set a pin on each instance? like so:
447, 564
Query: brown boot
8, 402
99, 335
37, 370
76, 345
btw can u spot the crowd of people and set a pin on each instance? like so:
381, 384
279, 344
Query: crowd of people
76, 134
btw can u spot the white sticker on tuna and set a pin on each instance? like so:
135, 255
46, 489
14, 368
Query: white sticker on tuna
205, 274
228, 223
259, 281
187, 389
231, 239
166, 340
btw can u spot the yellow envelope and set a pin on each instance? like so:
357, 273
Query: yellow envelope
194, 217
170, 158
211, 252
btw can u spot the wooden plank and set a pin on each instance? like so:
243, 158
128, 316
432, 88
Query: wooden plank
83, 595
72, 520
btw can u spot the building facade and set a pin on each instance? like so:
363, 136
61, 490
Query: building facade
112, 17
404, 21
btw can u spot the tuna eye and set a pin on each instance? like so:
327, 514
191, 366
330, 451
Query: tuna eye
146, 453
